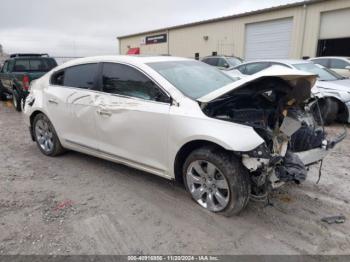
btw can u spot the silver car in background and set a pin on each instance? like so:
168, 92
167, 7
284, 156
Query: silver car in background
332, 89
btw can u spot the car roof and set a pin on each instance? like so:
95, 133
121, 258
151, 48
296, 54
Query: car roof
133, 59
331, 57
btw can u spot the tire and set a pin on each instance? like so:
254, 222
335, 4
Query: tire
3, 94
16, 99
230, 179
329, 111
46, 136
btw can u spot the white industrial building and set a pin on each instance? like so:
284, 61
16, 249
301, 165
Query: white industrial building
303, 29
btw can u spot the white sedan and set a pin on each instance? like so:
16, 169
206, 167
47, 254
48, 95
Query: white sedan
227, 141
338, 64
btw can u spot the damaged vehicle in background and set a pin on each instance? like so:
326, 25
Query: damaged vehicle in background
227, 141
331, 90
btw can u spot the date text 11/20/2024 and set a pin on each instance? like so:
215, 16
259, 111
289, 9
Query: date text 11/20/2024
173, 258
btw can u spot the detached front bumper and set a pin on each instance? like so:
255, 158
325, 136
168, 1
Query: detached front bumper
317, 154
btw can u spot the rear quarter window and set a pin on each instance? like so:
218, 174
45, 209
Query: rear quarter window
80, 76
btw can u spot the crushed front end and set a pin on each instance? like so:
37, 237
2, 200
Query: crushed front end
278, 111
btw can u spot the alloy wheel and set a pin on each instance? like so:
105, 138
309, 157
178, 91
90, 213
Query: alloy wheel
44, 135
208, 185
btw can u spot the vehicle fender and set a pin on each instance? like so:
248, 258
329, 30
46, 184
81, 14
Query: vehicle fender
230, 136
38, 105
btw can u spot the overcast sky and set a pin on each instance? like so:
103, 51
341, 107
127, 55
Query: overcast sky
90, 27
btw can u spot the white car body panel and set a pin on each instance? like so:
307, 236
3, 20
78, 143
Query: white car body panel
149, 147
143, 134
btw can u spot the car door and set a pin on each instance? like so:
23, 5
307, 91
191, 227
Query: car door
70, 100
340, 66
132, 120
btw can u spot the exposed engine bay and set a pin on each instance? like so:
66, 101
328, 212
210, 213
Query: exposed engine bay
279, 113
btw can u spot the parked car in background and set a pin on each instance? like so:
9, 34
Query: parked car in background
339, 64
223, 62
181, 119
17, 73
332, 89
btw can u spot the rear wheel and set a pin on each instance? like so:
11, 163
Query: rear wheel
217, 181
3, 94
16, 99
46, 137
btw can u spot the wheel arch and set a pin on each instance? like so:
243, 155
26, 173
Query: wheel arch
31, 121
343, 112
186, 150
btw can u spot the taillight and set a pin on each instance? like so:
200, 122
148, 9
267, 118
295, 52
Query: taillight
25, 82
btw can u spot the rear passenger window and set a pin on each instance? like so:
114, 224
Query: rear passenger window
125, 80
80, 76
21, 66
57, 78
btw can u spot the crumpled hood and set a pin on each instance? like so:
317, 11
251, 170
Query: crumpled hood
339, 85
290, 75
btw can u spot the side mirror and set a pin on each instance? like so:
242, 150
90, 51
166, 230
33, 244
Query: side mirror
226, 65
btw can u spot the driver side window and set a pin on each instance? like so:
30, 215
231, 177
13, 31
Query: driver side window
127, 81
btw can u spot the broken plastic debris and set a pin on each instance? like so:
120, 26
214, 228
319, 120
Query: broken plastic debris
334, 219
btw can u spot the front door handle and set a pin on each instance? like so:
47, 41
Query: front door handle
53, 101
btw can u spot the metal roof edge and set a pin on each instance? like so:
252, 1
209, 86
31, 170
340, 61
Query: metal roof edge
223, 18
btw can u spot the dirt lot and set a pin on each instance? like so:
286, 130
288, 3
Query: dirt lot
77, 204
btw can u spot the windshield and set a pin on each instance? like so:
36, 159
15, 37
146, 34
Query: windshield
234, 61
324, 74
194, 79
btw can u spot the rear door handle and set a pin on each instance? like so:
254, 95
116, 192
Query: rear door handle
53, 101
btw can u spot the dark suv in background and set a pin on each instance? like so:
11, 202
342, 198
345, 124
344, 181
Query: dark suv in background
17, 73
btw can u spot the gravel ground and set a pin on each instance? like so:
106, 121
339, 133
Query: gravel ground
77, 204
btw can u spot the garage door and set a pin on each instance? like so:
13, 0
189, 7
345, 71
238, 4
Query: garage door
268, 40
335, 24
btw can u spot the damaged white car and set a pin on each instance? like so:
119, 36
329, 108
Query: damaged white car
226, 140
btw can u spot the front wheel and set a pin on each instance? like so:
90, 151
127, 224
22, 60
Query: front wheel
217, 181
46, 137
3, 94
